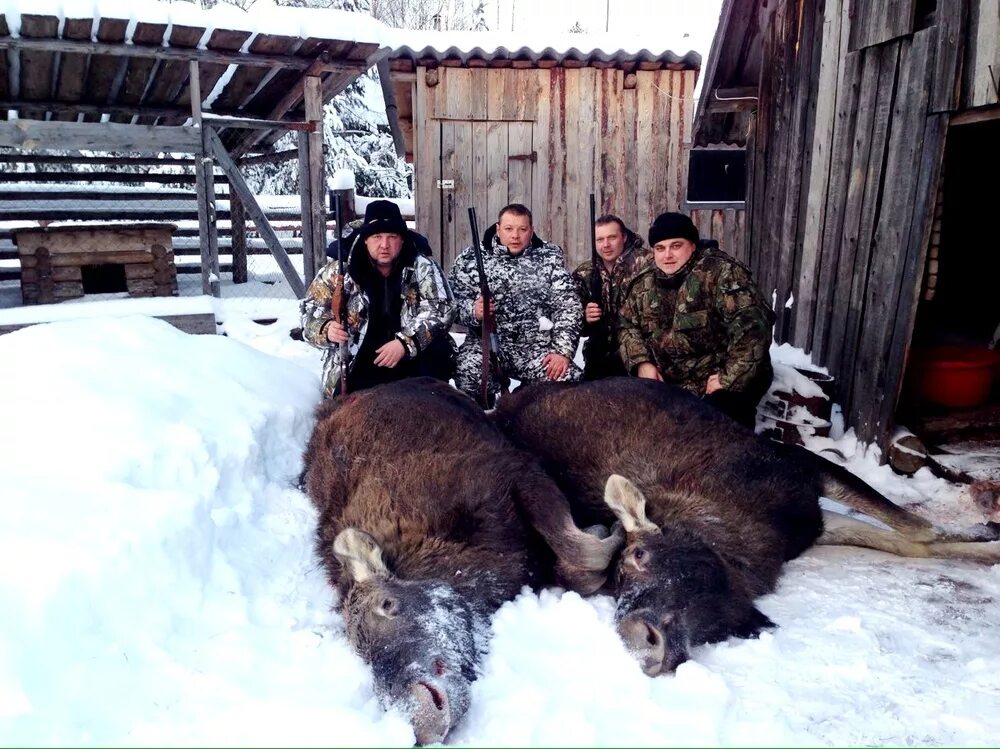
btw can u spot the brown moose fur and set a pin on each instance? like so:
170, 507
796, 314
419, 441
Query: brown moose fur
448, 519
699, 470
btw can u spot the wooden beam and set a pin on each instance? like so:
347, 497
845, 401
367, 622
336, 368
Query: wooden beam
10, 158
270, 158
239, 186
163, 179
305, 203
36, 135
218, 119
238, 229
181, 54
210, 279
972, 116
289, 100
316, 173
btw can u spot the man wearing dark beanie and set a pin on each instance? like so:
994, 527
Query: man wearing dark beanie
691, 315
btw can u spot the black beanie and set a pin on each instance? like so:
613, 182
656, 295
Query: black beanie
382, 217
672, 226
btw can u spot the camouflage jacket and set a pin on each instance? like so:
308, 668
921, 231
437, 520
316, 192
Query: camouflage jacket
603, 331
707, 319
526, 288
428, 309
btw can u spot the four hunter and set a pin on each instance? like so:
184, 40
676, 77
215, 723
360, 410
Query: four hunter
680, 310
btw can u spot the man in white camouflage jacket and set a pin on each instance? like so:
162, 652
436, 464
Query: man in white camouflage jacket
537, 311
399, 308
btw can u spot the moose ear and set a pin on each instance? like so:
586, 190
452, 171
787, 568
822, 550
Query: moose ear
628, 503
359, 554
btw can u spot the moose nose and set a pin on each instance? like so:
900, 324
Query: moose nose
431, 716
645, 641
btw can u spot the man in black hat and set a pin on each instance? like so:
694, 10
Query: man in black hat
399, 308
691, 315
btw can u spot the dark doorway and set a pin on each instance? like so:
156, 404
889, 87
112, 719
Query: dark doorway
105, 278
953, 378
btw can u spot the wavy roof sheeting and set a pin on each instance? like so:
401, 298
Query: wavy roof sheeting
527, 54
463, 47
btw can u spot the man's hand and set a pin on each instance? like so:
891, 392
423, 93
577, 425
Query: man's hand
477, 308
335, 332
649, 371
713, 384
592, 312
555, 365
390, 354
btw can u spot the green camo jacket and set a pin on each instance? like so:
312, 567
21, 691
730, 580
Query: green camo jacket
708, 319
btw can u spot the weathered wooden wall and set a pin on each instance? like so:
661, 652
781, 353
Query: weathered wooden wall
622, 136
845, 158
982, 51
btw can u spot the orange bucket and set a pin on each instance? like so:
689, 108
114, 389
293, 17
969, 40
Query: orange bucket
957, 376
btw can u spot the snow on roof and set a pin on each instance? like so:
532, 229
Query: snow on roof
539, 44
264, 17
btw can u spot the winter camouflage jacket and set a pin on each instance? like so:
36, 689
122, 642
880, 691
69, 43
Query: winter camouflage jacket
526, 288
428, 308
601, 336
707, 318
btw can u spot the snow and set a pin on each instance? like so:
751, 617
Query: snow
159, 586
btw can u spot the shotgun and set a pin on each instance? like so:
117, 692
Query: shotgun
338, 305
490, 342
595, 260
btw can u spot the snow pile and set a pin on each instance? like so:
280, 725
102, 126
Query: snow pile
160, 588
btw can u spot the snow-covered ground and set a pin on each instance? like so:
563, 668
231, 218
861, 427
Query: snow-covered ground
158, 586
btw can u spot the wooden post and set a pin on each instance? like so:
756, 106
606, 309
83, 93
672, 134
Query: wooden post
313, 90
305, 202
238, 232
347, 212
204, 183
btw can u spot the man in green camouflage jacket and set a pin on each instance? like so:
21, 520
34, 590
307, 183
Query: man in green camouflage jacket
616, 244
691, 315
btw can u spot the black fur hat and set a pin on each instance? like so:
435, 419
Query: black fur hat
672, 226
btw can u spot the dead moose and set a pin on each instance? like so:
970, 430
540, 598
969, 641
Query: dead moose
711, 511
429, 520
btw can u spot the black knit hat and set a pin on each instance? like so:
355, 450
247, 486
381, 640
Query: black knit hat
382, 217
672, 226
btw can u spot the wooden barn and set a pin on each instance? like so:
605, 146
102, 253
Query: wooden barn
168, 88
486, 124
871, 131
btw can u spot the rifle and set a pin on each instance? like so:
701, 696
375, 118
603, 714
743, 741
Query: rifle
595, 260
338, 305
490, 342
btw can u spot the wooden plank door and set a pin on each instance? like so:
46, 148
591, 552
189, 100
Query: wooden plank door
485, 164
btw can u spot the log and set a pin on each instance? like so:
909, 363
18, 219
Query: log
907, 453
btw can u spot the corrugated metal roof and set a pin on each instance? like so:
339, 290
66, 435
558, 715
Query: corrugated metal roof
620, 50
618, 57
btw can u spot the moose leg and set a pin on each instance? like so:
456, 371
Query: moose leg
843, 486
583, 558
840, 530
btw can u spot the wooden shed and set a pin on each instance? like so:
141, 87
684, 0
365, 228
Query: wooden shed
865, 122
486, 124
171, 84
